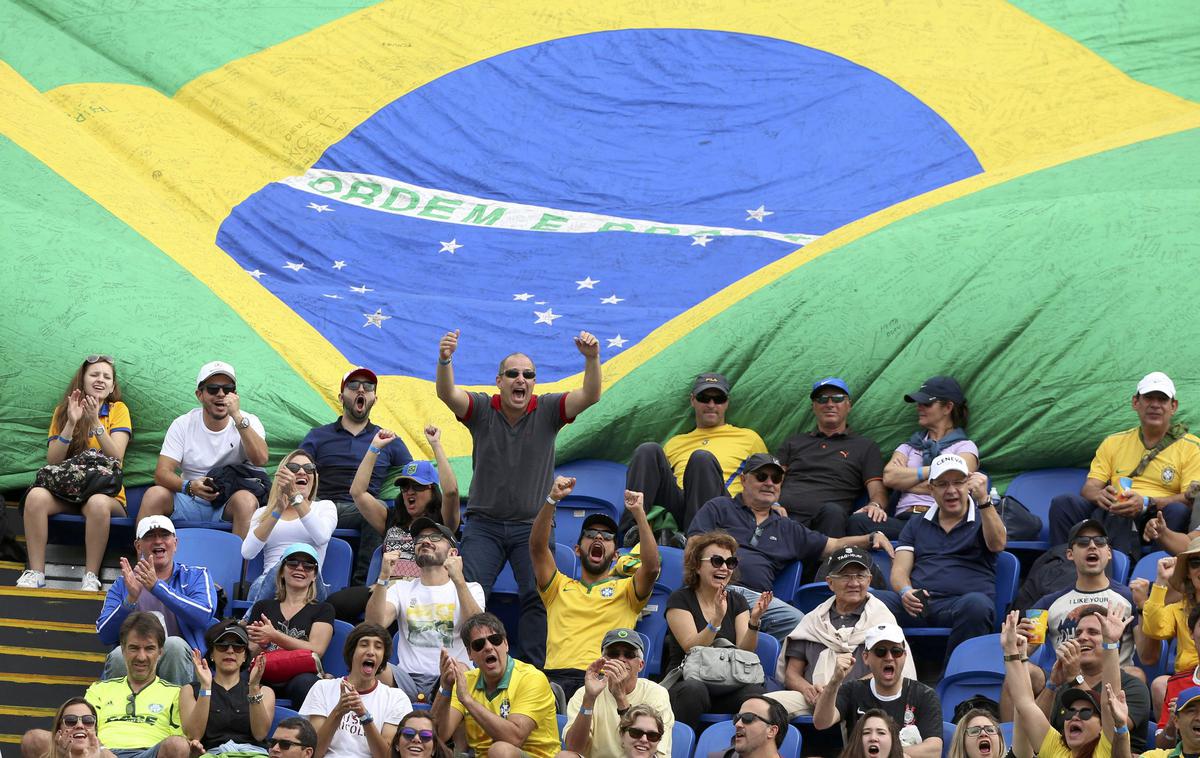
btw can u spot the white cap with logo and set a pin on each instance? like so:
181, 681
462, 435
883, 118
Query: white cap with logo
214, 367
884, 633
150, 523
1156, 381
947, 462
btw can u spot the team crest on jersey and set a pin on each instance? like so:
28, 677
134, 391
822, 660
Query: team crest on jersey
504, 708
155, 708
909, 715
1168, 475
606, 592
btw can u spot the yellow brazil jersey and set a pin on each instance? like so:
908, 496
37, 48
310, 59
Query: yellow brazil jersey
114, 417
127, 721
729, 444
524, 690
1168, 474
578, 615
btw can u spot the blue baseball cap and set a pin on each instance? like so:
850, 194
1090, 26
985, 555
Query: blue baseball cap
1187, 697
298, 548
421, 472
829, 381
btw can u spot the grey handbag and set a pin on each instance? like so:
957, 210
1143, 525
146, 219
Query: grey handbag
722, 666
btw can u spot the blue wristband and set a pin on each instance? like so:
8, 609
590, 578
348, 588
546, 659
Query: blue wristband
444, 692
276, 515
920, 476
905, 590
375, 450
1123, 729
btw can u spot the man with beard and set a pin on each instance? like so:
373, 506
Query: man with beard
339, 447
429, 611
759, 729
356, 716
580, 611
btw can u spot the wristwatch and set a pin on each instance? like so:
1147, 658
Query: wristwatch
97, 432
244, 423
297, 499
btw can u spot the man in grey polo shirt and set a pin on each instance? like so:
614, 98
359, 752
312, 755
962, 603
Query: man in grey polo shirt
513, 468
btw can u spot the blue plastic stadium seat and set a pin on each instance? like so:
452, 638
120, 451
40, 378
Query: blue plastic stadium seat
1120, 567
376, 563
683, 739
339, 562
975, 667
810, 595
334, 661
788, 582
653, 624
719, 736
219, 552
597, 480
768, 655
564, 558
1035, 489
282, 713
1147, 567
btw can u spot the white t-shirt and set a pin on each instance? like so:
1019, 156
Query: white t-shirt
314, 529
200, 450
429, 619
386, 704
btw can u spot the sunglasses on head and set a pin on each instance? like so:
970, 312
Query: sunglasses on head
749, 718
712, 397
513, 373
592, 534
97, 358
296, 468
718, 561
827, 399
1097, 540
284, 744
410, 734
882, 652
71, 719
775, 477
229, 647
494, 639
216, 389
975, 731
354, 384
300, 563
1083, 714
637, 734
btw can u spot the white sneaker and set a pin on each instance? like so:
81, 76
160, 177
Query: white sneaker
32, 580
91, 583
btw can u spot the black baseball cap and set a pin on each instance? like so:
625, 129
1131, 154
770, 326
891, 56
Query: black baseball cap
425, 522
602, 519
937, 388
846, 556
710, 382
759, 460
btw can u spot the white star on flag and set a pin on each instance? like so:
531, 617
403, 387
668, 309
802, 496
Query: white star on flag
333, 297
758, 213
617, 341
294, 266
255, 273
361, 290
449, 247
339, 265
587, 284
319, 208
702, 240
611, 300
376, 319
547, 316
522, 297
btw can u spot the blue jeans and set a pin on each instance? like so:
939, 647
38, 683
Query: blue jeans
780, 618
970, 615
487, 544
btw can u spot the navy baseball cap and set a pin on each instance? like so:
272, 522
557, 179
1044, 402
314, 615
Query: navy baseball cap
937, 388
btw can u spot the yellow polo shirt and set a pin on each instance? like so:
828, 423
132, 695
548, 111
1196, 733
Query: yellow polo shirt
1168, 474
578, 615
729, 444
524, 690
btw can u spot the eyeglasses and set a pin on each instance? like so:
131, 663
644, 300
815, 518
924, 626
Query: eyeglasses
1083, 714
354, 384
432, 538
624, 652
851, 577
216, 389
941, 484
712, 397
296, 468
493, 639
230, 647
975, 731
410, 734
718, 561
71, 719
637, 734
409, 485
749, 718
98, 358
763, 476
1097, 540
594, 534
285, 744
513, 373
296, 563
882, 652
827, 399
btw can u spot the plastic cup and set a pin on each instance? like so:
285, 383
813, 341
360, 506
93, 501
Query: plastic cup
1039, 619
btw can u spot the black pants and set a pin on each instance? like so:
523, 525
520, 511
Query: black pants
829, 519
861, 523
650, 473
690, 699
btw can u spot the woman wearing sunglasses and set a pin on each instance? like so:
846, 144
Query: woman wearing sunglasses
641, 730
290, 516
292, 628
74, 733
875, 735
227, 710
942, 420
89, 416
978, 736
416, 737
700, 612
425, 492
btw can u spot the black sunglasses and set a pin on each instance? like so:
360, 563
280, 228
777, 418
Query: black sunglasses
71, 719
296, 468
637, 734
763, 476
1083, 714
591, 534
216, 389
229, 647
285, 744
479, 644
749, 718
624, 651
882, 652
718, 561
408, 484
98, 358
354, 384
712, 397
410, 734
513, 373
827, 399
295, 563
1097, 540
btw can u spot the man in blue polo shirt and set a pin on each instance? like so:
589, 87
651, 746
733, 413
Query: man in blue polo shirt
945, 567
769, 541
338, 448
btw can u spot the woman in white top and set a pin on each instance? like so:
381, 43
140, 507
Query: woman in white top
290, 516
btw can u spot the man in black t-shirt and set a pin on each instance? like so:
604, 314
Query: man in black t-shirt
913, 705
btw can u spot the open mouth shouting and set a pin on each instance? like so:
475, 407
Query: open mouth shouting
368, 665
1073, 731
873, 748
985, 745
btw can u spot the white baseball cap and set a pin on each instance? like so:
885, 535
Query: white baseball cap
1156, 381
947, 462
154, 522
214, 367
884, 633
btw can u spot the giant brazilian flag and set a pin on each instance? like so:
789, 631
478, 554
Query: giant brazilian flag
1003, 191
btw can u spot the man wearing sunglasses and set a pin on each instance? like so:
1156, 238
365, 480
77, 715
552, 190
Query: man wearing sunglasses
1156, 459
579, 610
759, 730
338, 447
610, 688
913, 705
513, 434
294, 737
692, 468
216, 434
829, 467
769, 542
1185, 722
505, 706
